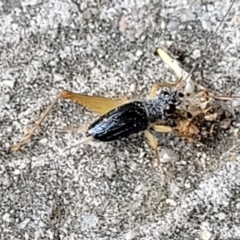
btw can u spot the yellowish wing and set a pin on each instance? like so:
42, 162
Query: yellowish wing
96, 104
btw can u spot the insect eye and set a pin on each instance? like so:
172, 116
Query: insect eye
180, 95
170, 108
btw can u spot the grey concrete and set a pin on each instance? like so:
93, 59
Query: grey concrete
116, 190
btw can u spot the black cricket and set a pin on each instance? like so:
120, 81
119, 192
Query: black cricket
134, 117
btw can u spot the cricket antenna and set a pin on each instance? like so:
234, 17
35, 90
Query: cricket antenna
210, 39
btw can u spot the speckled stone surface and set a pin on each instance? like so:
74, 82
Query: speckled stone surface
116, 190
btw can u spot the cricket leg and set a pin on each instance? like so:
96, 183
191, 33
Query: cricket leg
177, 131
85, 140
38, 123
156, 86
153, 143
99, 105
74, 129
164, 129
172, 63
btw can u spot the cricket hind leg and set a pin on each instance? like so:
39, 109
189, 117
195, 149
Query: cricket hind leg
37, 125
99, 105
156, 86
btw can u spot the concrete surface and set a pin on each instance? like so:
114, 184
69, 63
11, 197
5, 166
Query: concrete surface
116, 190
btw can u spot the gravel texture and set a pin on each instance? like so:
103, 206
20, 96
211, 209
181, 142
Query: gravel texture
116, 190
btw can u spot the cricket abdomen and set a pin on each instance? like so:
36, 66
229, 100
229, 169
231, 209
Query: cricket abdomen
119, 123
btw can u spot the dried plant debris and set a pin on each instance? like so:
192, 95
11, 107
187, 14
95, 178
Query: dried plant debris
201, 116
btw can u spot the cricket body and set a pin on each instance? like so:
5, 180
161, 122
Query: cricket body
134, 117
122, 117
119, 118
